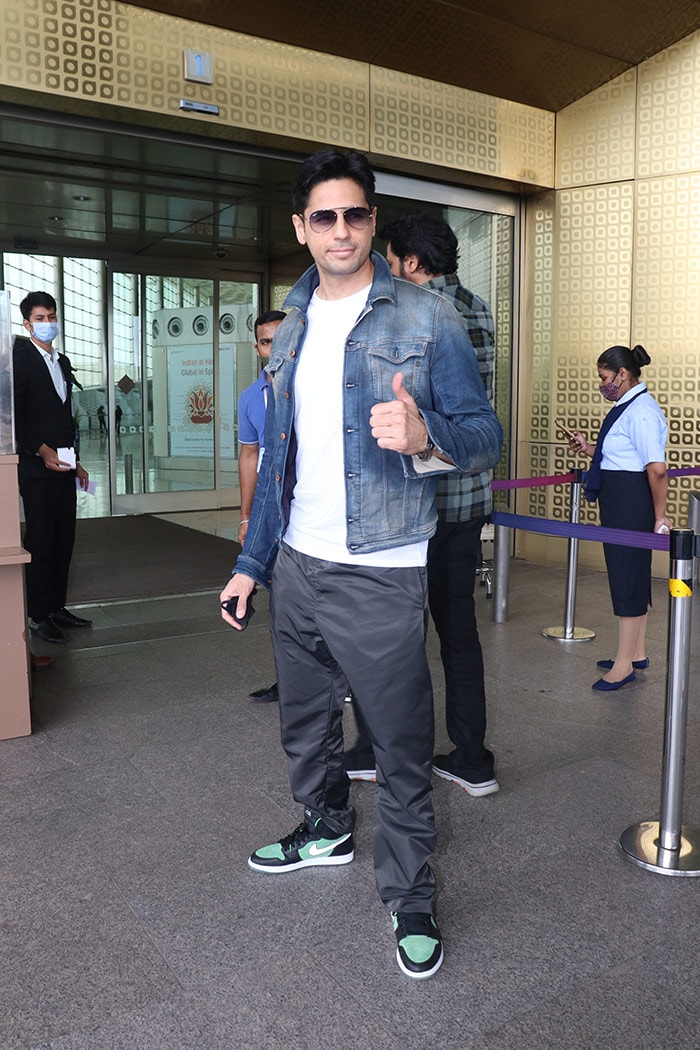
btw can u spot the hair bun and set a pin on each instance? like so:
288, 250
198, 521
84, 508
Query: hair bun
640, 356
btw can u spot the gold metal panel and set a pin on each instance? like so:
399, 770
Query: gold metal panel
593, 304
596, 135
582, 291
618, 263
110, 52
536, 378
504, 320
666, 313
667, 265
668, 121
594, 269
431, 123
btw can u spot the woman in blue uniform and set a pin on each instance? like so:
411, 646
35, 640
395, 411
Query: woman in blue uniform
628, 478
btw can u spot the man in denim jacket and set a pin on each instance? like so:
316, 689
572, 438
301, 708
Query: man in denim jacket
374, 391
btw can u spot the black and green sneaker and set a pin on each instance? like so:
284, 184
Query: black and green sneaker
304, 848
419, 952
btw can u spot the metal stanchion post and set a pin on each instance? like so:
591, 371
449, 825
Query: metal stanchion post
665, 846
569, 633
128, 473
694, 524
501, 563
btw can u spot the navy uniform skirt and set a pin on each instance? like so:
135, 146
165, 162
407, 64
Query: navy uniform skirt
625, 502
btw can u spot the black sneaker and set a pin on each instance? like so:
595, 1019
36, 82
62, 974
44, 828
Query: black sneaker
419, 952
442, 765
64, 618
304, 848
268, 695
47, 631
360, 765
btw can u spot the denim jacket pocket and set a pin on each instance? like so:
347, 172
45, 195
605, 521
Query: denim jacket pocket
388, 358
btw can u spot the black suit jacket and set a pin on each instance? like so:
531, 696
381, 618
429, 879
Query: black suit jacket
41, 418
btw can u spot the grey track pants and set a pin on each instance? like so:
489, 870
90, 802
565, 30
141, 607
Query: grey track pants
331, 622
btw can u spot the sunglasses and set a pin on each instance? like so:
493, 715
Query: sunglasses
325, 219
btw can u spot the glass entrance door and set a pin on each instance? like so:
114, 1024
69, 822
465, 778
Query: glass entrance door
181, 349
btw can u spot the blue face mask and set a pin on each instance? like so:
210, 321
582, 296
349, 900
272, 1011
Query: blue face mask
45, 331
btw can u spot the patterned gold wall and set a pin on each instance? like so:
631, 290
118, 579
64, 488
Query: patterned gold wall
614, 257
596, 136
612, 253
129, 61
439, 124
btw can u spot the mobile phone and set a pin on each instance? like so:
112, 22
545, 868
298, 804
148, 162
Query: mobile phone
565, 430
230, 606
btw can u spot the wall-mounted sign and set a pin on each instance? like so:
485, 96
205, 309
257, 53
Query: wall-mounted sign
199, 66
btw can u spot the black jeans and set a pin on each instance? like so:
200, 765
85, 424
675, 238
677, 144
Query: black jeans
454, 553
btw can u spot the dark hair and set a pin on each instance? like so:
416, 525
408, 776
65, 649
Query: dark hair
36, 299
617, 357
327, 165
266, 318
427, 237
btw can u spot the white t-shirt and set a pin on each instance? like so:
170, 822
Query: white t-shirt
317, 520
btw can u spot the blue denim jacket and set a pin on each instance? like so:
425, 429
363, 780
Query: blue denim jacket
403, 328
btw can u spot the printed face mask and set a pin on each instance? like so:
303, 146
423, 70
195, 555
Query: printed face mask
45, 331
609, 391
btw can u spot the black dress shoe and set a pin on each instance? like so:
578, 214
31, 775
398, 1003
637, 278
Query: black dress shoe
47, 631
69, 619
265, 696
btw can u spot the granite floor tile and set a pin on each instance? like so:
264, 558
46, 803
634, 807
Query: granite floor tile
129, 918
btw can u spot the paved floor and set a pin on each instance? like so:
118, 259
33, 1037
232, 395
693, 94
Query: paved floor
129, 919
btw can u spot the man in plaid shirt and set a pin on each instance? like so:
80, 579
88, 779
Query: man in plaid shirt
423, 249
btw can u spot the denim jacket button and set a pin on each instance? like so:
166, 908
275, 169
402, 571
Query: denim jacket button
283, 436
278, 477
292, 353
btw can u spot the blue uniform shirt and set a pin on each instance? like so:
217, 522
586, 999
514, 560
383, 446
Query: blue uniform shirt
252, 403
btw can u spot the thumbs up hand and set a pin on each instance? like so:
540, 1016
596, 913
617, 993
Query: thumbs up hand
397, 424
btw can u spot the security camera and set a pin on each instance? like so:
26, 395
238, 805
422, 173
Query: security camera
219, 253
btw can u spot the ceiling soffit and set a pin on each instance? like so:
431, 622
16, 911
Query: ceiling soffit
545, 55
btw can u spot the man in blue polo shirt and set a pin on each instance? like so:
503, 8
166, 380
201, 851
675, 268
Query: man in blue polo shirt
252, 404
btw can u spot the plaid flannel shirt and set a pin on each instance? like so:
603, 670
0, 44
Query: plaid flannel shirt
461, 497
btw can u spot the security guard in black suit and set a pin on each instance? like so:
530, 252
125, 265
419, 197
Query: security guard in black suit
43, 424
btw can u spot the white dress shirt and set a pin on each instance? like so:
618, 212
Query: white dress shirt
55, 370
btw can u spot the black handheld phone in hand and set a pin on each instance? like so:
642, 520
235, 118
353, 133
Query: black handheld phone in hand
230, 606
565, 430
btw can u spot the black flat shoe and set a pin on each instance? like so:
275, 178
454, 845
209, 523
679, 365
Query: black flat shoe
47, 631
69, 619
639, 665
601, 686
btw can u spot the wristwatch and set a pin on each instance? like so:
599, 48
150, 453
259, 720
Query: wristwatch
427, 452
